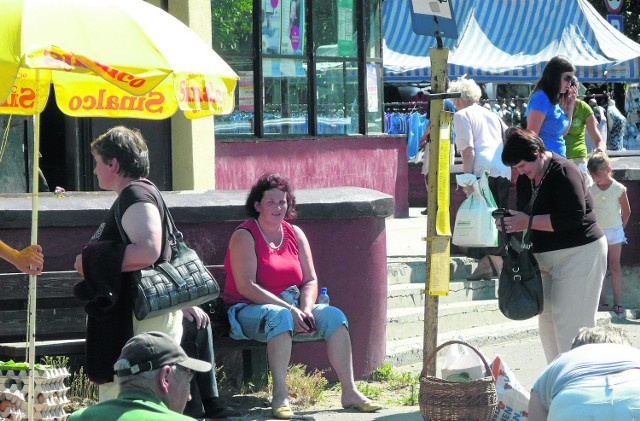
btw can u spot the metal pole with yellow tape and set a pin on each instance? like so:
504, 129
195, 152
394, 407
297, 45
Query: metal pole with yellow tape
438, 220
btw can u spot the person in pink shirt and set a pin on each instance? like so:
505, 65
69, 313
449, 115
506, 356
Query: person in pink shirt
271, 292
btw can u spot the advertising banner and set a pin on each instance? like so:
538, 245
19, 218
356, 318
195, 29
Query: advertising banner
346, 42
282, 27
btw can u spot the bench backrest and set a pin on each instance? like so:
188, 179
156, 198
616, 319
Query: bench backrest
58, 314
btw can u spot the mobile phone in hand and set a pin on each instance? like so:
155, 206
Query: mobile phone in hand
500, 212
310, 324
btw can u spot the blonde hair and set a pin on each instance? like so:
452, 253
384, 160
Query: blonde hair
601, 335
598, 162
468, 88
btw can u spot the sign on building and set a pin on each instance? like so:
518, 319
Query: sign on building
433, 17
616, 22
614, 6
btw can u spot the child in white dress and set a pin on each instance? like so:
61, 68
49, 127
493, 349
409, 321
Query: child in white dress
611, 205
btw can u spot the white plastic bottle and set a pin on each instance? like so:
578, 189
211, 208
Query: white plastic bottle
323, 298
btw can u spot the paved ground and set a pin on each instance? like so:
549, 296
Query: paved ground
525, 358
404, 235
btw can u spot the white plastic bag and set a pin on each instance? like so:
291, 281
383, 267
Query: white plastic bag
474, 226
486, 191
425, 158
513, 399
462, 363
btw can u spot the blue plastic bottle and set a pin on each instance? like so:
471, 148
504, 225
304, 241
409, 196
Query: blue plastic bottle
323, 298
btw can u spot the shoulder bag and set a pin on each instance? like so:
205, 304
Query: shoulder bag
520, 293
169, 286
520, 286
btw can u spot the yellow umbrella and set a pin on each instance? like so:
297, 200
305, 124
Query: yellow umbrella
105, 58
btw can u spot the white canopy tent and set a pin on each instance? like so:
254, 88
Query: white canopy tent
511, 41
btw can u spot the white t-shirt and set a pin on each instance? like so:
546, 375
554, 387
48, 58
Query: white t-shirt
477, 127
606, 204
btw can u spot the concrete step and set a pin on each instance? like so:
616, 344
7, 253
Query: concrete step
406, 351
407, 322
402, 270
469, 314
412, 295
411, 270
409, 350
405, 295
463, 290
404, 323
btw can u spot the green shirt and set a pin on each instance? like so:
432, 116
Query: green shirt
574, 139
132, 404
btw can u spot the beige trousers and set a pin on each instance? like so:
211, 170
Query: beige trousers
572, 280
169, 323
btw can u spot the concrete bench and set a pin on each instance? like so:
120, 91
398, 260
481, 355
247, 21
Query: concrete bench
345, 227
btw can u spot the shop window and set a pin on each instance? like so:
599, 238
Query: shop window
285, 96
287, 89
374, 97
232, 26
336, 97
232, 31
241, 120
334, 26
373, 39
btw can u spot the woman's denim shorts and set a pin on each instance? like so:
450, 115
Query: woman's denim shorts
261, 322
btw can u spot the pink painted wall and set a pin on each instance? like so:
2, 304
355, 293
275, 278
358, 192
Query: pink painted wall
373, 162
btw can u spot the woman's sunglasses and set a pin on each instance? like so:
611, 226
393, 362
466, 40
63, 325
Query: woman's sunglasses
567, 78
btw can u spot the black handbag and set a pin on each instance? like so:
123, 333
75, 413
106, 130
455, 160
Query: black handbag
520, 294
169, 286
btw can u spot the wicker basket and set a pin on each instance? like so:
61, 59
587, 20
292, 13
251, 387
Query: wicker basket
445, 400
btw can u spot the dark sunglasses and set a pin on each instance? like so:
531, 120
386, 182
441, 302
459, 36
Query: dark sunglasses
567, 78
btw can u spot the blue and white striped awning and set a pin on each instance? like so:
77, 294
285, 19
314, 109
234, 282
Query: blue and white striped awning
511, 41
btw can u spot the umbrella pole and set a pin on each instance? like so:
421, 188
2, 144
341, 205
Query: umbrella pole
31, 320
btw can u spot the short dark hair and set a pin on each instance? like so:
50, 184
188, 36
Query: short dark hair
266, 182
128, 147
550, 80
521, 145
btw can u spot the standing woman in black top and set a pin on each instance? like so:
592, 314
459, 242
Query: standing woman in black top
569, 246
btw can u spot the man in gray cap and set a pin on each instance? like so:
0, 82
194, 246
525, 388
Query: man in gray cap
154, 374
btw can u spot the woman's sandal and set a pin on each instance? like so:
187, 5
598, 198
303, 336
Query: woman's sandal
618, 309
282, 412
367, 406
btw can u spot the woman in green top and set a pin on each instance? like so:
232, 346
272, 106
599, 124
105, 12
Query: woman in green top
575, 140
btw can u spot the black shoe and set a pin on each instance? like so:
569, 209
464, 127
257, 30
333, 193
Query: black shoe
424, 212
214, 409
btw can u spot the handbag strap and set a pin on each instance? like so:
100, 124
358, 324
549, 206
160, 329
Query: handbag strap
452, 342
534, 190
526, 239
174, 234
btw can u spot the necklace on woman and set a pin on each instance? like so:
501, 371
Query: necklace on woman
271, 244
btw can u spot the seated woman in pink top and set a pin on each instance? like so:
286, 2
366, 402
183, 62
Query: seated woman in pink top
271, 291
